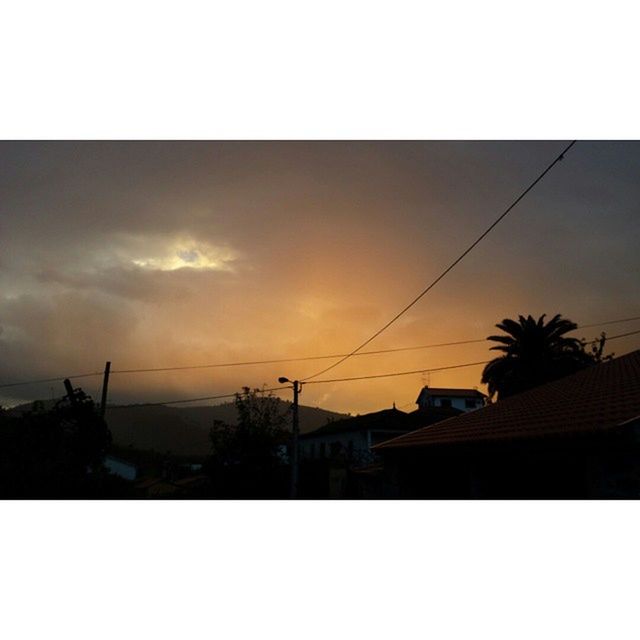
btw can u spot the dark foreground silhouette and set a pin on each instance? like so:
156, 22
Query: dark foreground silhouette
56, 453
566, 424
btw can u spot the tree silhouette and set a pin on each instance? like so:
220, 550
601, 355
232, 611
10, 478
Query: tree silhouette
254, 439
536, 352
246, 458
53, 454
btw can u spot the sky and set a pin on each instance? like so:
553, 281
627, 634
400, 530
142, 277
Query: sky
160, 254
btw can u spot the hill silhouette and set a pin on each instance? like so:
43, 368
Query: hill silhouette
184, 430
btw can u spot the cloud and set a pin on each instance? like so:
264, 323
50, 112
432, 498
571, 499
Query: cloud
156, 254
186, 253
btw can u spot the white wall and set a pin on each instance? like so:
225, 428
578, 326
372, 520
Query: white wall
456, 403
359, 439
120, 468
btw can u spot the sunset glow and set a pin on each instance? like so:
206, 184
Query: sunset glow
229, 252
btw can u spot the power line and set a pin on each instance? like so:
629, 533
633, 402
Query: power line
303, 359
281, 360
620, 335
43, 380
184, 401
350, 379
449, 268
399, 373
337, 355
232, 395
601, 324
453, 366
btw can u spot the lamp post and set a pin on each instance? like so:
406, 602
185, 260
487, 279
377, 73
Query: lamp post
297, 388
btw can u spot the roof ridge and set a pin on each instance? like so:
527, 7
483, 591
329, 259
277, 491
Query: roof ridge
534, 411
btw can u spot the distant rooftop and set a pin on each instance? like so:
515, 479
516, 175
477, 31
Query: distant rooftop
452, 393
594, 400
387, 419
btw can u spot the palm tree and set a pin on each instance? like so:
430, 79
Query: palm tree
534, 353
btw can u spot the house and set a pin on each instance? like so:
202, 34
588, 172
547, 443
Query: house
121, 468
463, 399
578, 436
351, 439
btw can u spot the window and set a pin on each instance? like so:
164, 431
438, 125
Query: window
470, 404
445, 402
323, 449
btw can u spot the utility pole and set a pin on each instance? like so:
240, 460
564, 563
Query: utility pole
296, 432
297, 388
68, 387
105, 388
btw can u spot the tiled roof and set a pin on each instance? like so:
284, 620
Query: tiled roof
595, 399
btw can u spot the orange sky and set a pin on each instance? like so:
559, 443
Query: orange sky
172, 254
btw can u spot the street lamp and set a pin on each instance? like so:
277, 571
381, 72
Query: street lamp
297, 388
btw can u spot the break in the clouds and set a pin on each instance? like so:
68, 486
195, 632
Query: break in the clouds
173, 253
170, 254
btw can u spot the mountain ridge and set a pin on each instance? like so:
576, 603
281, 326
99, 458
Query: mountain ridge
183, 430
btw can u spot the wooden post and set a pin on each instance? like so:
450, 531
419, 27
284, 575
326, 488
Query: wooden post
69, 389
105, 388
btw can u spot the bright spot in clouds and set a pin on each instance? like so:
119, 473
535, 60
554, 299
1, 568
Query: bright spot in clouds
188, 254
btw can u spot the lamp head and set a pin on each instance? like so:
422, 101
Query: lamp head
283, 380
